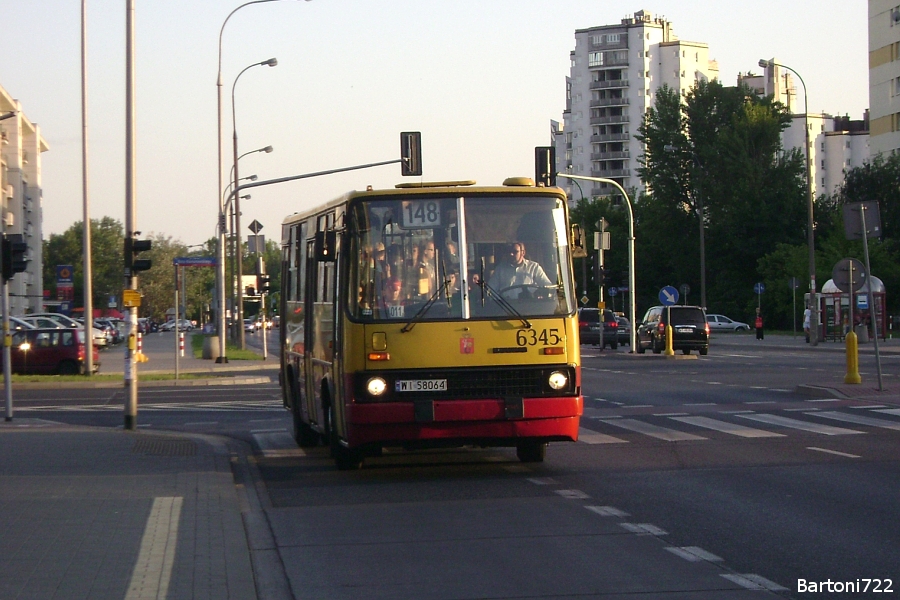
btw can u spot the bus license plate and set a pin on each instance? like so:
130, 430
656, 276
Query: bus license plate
420, 385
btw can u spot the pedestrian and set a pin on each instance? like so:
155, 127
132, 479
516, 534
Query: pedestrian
759, 325
806, 316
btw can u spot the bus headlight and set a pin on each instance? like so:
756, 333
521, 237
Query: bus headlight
557, 380
376, 386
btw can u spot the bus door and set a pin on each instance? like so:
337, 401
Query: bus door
320, 331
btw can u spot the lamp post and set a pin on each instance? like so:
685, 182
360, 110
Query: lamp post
272, 62
631, 291
220, 246
810, 199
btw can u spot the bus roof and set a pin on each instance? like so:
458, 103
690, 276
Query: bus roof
521, 185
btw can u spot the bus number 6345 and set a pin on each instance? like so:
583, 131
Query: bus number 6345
531, 337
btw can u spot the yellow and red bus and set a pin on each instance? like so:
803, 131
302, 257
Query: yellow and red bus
432, 314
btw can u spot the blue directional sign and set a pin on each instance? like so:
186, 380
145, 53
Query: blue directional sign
194, 261
613, 291
759, 288
668, 295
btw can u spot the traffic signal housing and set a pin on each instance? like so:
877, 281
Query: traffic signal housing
133, 247
249, 291
264, 283
598, 274
14, 259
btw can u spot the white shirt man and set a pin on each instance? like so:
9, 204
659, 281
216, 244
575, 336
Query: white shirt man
517, 270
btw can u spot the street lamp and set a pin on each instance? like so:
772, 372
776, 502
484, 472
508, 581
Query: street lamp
272, 62
814, 312
631, 287
220, 246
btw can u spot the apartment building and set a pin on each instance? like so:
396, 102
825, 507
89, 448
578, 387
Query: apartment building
614, 75
837, 144
884, 76
21, 145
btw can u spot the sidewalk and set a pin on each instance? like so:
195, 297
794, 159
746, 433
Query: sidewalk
98, 513
833, 386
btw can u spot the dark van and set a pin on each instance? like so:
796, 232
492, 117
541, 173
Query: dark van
690, 331
592, 331
50, 352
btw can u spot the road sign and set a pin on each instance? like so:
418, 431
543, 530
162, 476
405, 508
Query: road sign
862, 302
194, 261
849, 275
131, 298
584, 299
685, 289
759, 288
853, 219
793, 283
668, 295
255, 226
613, 291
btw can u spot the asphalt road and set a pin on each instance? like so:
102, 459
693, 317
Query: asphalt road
701, 478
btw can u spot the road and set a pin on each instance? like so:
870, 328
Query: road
703, 478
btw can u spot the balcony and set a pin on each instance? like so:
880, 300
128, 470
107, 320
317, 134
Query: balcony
609, 84
609, 102
611, 137
615, 119
610, 173
622, 154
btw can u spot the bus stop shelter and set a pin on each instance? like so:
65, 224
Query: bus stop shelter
834, 307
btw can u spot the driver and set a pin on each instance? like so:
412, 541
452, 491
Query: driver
518, 270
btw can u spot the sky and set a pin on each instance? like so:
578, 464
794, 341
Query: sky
481, 79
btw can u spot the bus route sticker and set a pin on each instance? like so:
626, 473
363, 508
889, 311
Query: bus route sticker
467, 345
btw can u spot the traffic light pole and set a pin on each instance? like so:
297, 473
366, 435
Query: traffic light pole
7, 348
131, 383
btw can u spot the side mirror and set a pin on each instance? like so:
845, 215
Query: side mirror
326, 246
579, 248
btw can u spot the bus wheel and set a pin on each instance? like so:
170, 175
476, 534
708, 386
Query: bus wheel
531, 451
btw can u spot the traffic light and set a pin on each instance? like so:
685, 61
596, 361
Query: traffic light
598, 273
545, 166
132, 248
411, 154
14, 260
264, 283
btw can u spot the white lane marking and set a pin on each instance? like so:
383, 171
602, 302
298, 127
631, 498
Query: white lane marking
844, 454
586, 436
753, 582
858, 419
700, 404
201, 423
661, 433
607, 511
890, 411
726, 427
694, 554
153, 569
802, 425
572, 494
277, 445
825, 400
675, 414
543, 481
761, 401
644, 528
870, 407
805, 409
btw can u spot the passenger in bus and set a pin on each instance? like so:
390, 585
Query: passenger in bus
517, 270
425, 270
392, 297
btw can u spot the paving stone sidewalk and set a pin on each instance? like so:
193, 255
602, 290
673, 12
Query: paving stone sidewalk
100, 513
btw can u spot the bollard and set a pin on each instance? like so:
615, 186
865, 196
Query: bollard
139, 355
181, 343
852, 375
669, 341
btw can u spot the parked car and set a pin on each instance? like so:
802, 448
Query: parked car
723, 323
183, 325
624, 331
98, 335
50, 351
18, 323
591, 331
690, 331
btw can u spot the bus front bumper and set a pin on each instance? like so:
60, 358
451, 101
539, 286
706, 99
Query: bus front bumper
490, 421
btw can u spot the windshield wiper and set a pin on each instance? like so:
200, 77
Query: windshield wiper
425, 307
503, 302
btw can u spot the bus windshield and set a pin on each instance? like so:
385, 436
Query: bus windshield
440, 258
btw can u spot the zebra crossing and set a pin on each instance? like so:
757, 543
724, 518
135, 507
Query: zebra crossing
668, 427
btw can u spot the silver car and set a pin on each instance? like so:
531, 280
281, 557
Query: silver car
723, 323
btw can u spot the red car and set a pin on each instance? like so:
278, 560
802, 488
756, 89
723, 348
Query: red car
50, 352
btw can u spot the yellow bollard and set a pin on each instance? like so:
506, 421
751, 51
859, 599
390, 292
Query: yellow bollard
852, 375
669, 350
